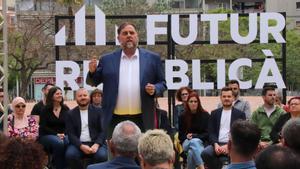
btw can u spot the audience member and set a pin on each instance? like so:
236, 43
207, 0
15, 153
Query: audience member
291, 135
266, 115
156, 150
85, 132
19, 124
96, 98
294, 112
52, 126
219, 127
162, 121
123, 146
277, 157
238, 102
16, 153
38, 107
181, 95
243, 144
193, 131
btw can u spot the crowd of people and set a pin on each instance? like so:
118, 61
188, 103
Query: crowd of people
122, 127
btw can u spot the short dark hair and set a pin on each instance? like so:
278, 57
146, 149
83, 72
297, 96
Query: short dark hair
266, 89
276, 157
291, 134
226, 89
233, 82
245, 137
123, 25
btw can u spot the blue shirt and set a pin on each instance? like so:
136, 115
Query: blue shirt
243, 165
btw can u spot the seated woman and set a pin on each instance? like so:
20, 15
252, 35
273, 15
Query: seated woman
52, 129
294, 112
19, 124
193, 131
181, 95
96, 98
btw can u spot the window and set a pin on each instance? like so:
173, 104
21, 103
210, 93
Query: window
186, 4
177, 4
298, 24
297, 5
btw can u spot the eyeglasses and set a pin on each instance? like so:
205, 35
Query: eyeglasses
184, 94
193, 101
20, 106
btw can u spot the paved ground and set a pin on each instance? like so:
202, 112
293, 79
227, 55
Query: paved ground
209, 103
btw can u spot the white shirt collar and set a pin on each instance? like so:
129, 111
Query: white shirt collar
135, 55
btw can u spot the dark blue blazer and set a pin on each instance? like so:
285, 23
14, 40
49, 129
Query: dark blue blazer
215, 119
73, 123
151, 71
116, 163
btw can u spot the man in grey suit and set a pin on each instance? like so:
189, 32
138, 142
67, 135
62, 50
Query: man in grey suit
131, 78
123, 146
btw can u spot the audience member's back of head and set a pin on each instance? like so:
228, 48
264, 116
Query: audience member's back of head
125, 138
21, 154
156, 147
291, 135
276, 157
245, 137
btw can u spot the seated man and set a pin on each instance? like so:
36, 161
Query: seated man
156, 150
219, 125
123, 146
85, 132
266, 115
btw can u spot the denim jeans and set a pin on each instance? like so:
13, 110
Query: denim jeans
74, 156
54, 145
194, 148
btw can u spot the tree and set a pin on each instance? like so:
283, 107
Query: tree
30, 48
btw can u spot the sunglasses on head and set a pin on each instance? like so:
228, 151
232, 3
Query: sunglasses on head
20, 106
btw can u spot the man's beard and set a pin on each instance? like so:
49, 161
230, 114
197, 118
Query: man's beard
82, 104
129, 45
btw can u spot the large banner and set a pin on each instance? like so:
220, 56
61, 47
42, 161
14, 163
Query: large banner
269, 72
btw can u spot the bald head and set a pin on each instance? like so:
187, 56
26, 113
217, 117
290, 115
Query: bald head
82, 98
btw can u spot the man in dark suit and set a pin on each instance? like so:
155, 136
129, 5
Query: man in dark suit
85, 133
219, 125
123, 146
131, 78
